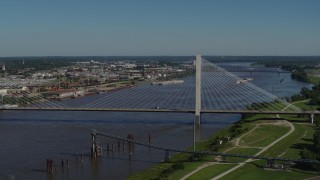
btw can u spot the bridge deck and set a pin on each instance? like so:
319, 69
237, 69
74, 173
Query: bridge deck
160, 110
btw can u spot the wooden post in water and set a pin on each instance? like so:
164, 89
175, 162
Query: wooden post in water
118, 145
93, 144
123, 145
50, 166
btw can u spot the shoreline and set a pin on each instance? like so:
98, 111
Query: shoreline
208, 162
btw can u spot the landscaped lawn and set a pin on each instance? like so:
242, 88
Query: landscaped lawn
244, 151
264, 135
288, 147
211, 171
188, 167
255, 170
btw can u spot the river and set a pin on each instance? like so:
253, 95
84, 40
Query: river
27, 139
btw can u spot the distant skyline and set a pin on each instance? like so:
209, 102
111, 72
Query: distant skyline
159, 28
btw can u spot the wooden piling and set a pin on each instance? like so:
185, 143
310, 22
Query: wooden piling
118, 145
123, 145
130, 155
50, 166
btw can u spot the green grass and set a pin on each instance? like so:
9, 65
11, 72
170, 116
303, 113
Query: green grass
188, 167
260, 116
313, 79
264, 135
155, 171
295, 118
245, 151
268, 134
289, 147
303, 137
211, 171
254, 170
306, 107
151, 173
286, 143
276, 106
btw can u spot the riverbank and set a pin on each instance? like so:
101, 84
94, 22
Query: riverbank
255, 135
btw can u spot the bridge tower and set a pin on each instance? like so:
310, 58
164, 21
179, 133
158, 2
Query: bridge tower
198, 90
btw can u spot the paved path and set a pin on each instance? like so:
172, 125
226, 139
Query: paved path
293, 104
278, 116
237, 142
201, 167
292, 128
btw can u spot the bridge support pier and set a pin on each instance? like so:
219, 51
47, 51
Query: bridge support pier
198, 119
312, 118
198, 90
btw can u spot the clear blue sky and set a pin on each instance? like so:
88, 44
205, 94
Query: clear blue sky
159, 27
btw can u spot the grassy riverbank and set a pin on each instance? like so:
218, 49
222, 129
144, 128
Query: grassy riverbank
248, 136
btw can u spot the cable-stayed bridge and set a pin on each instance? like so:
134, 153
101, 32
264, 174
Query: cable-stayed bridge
203, 88
238, 68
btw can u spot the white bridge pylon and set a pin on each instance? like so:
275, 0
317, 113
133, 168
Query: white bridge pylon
219, 89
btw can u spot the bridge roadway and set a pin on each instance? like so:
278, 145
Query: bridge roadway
158, 110
201, 152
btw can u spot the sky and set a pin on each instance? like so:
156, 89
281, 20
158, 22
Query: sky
159, 27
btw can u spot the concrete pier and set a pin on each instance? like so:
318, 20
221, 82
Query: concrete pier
198, 90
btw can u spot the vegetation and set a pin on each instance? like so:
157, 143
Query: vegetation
261, 136
300, 75
165, 170
255, 170
312, 94
313, 151
246, 151
28, 65
188, 167
288, 146
211, 171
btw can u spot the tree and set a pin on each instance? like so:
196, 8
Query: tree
316, 140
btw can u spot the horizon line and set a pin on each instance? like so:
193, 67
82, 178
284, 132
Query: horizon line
159, 56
